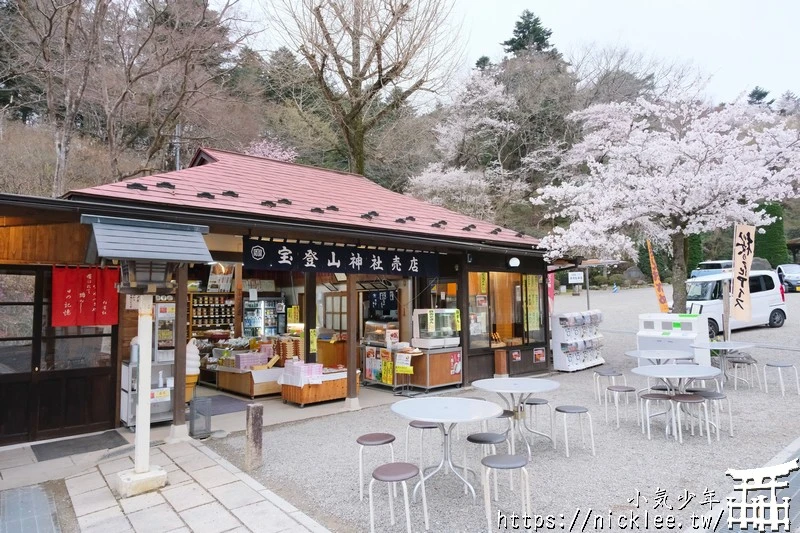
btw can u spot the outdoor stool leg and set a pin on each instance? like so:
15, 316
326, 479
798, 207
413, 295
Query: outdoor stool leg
424, 502
527, 491
487, 502
796, 380
408, 508
591, 433
553, 426
391, 504
647, 417
708, 430
566, 437
361, 472
605, 396
496, 492
407, 428
780, 379
680, 426
391, 447
580, 424
371, 509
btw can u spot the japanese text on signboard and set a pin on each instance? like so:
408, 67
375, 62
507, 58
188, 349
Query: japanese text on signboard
325, 258
743, 240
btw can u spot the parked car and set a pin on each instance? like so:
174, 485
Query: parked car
789, 276
767, 302
705, 268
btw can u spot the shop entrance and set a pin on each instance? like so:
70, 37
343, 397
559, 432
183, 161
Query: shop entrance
54, 382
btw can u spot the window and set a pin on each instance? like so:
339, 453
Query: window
17, 310
503, 307
335, 311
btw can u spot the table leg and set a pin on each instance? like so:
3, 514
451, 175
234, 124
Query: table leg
447, 459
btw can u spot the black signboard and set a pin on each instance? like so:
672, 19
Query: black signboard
266, 255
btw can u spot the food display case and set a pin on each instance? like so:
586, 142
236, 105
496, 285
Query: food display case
436, 328
375, 331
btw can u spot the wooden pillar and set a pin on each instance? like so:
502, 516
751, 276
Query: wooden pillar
462, 302
352, 336
237, 300
310, 313
181, 316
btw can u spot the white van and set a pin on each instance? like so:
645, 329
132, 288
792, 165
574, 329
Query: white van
704, 296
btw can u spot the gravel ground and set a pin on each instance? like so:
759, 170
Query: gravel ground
314, 463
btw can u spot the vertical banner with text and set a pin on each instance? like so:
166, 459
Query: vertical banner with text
743, 246
663, 306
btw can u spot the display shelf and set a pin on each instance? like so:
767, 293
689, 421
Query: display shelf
210, 310
576, 342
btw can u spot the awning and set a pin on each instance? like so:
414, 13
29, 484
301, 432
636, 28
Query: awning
143, 240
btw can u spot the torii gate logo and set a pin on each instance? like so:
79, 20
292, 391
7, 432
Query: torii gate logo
759, 512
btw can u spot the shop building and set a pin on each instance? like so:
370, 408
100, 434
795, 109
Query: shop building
331, 257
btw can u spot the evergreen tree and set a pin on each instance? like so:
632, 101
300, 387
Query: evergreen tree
771, 245
529, 34
758, 96
483, 63
694, 252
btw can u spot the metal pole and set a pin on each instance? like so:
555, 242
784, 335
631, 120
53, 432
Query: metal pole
586, 276
145, 334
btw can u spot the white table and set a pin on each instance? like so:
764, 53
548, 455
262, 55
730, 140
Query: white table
676, 377
724, 348
446, 413
514, 392
660, 357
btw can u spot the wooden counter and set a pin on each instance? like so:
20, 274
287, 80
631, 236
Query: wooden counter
333, 389
438, 367
244, 383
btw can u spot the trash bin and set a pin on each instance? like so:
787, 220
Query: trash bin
200, 417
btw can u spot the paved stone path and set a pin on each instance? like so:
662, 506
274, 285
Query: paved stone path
27, 510
205, 494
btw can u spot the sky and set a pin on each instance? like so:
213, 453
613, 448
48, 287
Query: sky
738, 44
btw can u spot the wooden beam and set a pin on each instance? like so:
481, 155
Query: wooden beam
310, 312
352, 335
181, 315
238, 305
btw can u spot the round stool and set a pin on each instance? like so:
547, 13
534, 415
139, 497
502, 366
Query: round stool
393, 473
751, 367
715, 398
609, 373
691, 399
617, 390
575, 410
488, 442
505, 462
371, 439
779, 365
646, 398
422, 426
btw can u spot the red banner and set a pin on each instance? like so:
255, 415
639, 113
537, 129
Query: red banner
108, 298
84, 296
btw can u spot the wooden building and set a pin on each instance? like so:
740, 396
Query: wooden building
57, 381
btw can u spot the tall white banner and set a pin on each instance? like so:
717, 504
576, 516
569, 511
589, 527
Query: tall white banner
743, 245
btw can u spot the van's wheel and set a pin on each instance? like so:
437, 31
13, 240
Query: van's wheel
713, 329
776, 319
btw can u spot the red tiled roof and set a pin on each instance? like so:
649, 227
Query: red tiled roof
309, 189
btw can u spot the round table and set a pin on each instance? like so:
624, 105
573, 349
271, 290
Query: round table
660, 357
676, 377
446, 413
724, 348
514, 392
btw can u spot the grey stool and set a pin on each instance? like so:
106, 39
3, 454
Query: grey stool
779, 365
648, 397
488, 442
393, 473
740, 359
617, 390
422, 426
691, 399
505, 462
371, 439
575, 410
715, 398
534, 404
609, 373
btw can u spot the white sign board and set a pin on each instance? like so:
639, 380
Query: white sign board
743, 246
575, 278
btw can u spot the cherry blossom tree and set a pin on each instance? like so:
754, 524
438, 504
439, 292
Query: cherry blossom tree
666, 170
459, 189
271, 149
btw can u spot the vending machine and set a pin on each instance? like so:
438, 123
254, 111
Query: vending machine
253, 318
164, 321
274, 316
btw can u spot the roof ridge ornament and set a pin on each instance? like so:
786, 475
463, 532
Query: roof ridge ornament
232, 194
269, 203
285, 201
205, 195
136, 185
165, 185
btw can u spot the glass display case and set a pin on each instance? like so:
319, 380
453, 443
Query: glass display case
375, 331
436, 328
